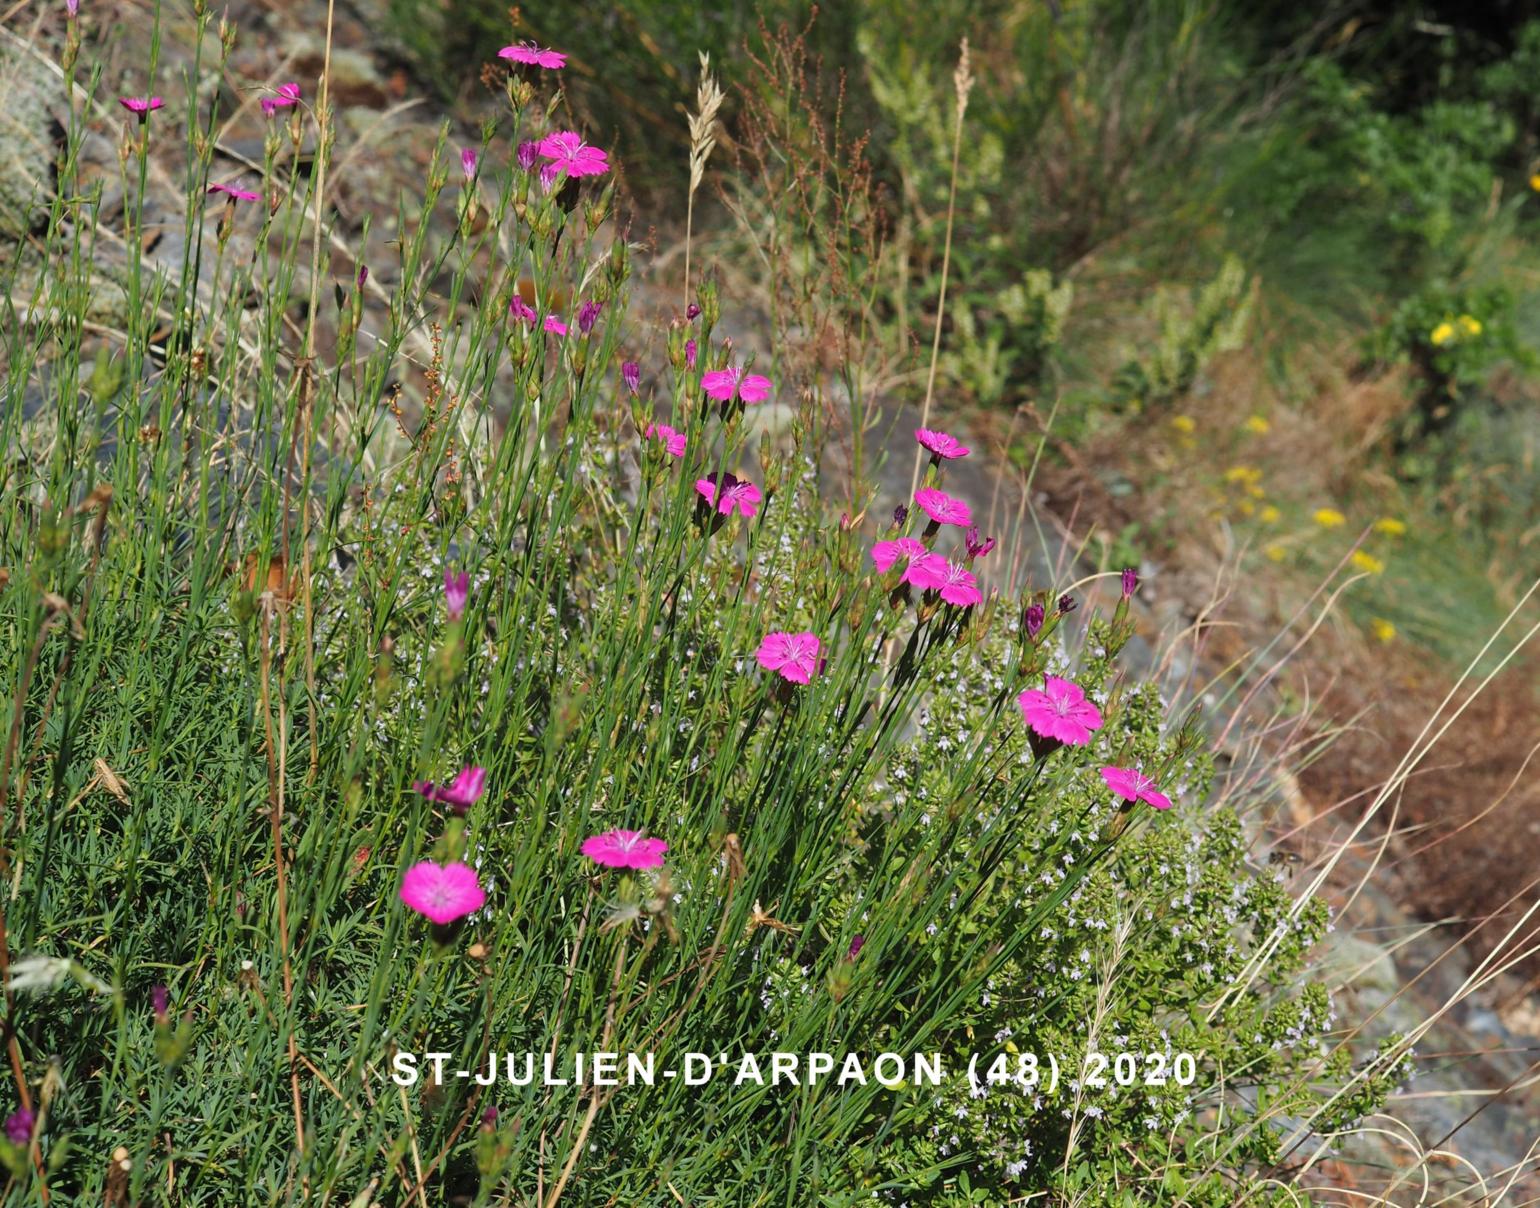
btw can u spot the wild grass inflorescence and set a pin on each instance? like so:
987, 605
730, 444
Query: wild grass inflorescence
518, 719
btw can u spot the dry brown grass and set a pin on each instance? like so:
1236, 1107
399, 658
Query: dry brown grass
1465, 827
1466, 846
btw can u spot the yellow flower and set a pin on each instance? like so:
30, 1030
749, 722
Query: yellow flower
1534, 182
1471, 325
1271, 515
1247, 507
1184, 424
1442, 334
1249, 475
1329, 518
1366, 561
1390, 526
1255, 491
1274, 552
1258, 424
1382, 629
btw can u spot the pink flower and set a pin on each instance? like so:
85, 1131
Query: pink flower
457, 590
955, 583
886, 553
624, 849
736, 494
631, 375
1133, 785
977, 548
569, 153
232, 191
287, 94
940, 444
673, 441
689, 353
1061, 711
926, 570
535, 56
942, 508
142, 105
724, 384
468, 160
554, 325
588, 315
72, 7
442, 893
794, 655
521, 310
463, 793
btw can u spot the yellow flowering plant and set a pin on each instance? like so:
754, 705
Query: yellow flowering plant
1453, 338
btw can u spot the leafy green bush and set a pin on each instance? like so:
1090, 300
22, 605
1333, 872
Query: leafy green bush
1191, 330
1453, 339
630, 71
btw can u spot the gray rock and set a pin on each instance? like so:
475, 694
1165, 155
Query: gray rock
30, 131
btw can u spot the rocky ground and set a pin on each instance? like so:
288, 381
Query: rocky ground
1475, 1099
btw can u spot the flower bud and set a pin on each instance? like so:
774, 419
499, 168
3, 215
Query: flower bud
709, 307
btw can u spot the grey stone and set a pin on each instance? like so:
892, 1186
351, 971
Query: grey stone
30, 130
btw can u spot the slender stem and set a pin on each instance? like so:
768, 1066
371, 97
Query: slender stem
593, 1099
946, 265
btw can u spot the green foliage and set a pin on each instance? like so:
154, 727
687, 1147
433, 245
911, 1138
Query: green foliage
1429, 174
630, 72
1191, 330
1068, 141
1453, 339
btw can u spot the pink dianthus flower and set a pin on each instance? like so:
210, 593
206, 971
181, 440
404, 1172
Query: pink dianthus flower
940, 444
943, 508
1060, 710
725, 384
442, 893
793, 655
1133, 785
732, 494
673, 441
886, 553
535, 56
624, 849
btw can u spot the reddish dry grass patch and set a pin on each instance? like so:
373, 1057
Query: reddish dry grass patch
1466, 841
1466, 825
